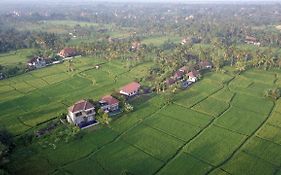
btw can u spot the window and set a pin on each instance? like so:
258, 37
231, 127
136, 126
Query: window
78, 114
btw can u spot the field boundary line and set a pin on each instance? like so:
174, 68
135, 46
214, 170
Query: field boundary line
231, 130
197, 158
236, 151
258, 157
140, 149
267, 140
164, 132
110, 142
185, 122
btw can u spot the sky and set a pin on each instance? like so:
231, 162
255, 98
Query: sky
166, 1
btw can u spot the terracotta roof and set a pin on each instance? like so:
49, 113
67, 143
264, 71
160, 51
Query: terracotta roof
110, 100
183, 69
130, 88
80, 106
205, 63
68, 52
193, 73
178, 74
250, 38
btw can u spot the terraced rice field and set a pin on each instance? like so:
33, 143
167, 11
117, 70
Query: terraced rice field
220, 125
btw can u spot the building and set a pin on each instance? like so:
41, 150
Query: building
135, 46
130, 89
205, 65
109, 103
193, 76
37, 62
252, 40
178, 75
68, 52
82, 114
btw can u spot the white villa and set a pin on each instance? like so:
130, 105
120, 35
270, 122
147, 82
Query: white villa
82, 114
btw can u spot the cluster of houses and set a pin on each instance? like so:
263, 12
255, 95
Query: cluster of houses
40, 62
83, 112
187, 76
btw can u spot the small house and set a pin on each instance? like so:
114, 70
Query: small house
82, 114
135, 46
205, 65
193, 76
68, 52
37, 62
252, 40
178, 75
109, 103
130, 89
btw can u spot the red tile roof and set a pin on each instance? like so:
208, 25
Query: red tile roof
178, 74
110, 100
80, 106
68, 52
130, 88
193, 73
205, 63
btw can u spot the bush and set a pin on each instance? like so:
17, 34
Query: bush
274, 93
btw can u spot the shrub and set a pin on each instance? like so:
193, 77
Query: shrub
274, 93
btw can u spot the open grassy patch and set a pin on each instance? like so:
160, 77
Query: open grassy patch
120, 157
211, 106
270, 132
275, 119
185, 164
265, 150
186, 115
154, 142
77, 149
189, 98
277, 107
214, 145
260, 76
243, 163
173, 127
259, 105
87, 167
224, 95
241, 120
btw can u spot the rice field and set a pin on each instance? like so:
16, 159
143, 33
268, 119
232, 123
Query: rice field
220, 125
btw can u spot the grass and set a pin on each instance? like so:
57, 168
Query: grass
264, 150
114, 156
224, 95
186, 115
16, 57
157, 41
142, 141
246, 164
252, 103
239, 120
185, 164
211, 106
151, 141
214, 145
271, 133
173, 127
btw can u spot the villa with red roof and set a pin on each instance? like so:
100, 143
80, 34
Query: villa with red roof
67, 52
109, 103
130, 89
82, 114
